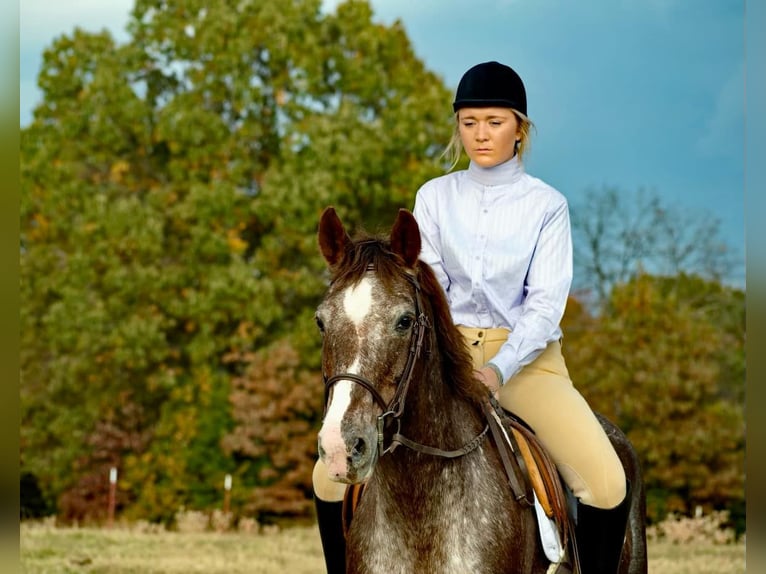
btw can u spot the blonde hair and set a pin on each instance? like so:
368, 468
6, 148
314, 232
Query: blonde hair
454, 148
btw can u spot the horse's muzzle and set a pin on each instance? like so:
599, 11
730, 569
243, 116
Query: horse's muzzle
348, 456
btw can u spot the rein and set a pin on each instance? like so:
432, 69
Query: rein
393, 411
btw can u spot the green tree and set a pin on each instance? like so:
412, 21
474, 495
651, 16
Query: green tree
171, 187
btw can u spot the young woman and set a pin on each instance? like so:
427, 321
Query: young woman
500, 244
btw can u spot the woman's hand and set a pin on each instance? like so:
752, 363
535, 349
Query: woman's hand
488, 377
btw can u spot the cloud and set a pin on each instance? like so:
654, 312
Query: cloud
724, 128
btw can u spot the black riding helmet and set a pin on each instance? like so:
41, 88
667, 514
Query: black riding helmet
491, 84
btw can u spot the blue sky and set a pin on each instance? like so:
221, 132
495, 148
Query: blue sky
627, 93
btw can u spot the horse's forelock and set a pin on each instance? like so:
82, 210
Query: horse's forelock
368, 253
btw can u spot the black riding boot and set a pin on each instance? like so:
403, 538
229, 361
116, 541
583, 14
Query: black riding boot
600, 536
330, 521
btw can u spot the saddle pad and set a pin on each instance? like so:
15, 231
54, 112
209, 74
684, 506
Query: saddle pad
549, 535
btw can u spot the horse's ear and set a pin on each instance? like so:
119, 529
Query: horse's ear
332, 237
405, 237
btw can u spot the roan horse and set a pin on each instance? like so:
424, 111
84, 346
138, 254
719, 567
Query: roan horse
397, 373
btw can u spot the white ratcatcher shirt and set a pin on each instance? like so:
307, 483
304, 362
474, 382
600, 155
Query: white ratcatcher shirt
500, 244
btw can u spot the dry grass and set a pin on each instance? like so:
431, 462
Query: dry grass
49, 550
142, 549
696, 558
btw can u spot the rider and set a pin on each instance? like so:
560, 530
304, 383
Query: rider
499, 242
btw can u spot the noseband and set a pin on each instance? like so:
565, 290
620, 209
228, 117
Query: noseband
394, 409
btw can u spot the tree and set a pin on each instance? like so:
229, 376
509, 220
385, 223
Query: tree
275, 406
665, 361
618, 235
170, 192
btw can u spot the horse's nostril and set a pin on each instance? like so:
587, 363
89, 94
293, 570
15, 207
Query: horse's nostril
358, 450
360, 446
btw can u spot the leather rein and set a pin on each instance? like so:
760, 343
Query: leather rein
392, 411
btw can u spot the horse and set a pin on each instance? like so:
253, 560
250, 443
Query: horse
405, 416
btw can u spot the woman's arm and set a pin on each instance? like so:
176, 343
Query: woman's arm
546, 287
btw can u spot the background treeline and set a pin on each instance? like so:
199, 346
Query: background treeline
171, 188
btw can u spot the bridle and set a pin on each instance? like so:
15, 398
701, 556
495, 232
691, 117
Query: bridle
392, 411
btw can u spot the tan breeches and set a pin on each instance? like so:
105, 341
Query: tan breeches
543, 395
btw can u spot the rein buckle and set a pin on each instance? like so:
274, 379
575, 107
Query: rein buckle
382, 449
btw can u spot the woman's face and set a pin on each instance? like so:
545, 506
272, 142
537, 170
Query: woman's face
489, 135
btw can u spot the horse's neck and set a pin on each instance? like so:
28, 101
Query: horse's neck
418, 497
436, 414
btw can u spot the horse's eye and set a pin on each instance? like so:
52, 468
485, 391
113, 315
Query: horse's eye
320, 324
404, 323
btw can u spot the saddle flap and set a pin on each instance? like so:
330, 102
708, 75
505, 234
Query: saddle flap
543, 475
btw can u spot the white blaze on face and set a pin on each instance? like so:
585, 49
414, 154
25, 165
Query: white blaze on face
357, 303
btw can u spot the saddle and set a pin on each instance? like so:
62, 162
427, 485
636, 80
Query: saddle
530, 464
535, 480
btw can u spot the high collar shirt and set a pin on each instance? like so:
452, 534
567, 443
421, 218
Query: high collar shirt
500, 244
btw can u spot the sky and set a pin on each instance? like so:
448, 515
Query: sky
632, 94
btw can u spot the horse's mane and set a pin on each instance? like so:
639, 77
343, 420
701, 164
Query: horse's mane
457, 366
373, 252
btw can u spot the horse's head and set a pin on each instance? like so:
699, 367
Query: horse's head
370, 319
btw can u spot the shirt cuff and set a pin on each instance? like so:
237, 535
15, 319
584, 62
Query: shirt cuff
497, 371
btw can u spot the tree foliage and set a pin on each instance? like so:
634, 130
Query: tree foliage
171, 188
665, 361
275, 403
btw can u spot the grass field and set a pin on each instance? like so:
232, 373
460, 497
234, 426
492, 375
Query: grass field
49, 550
